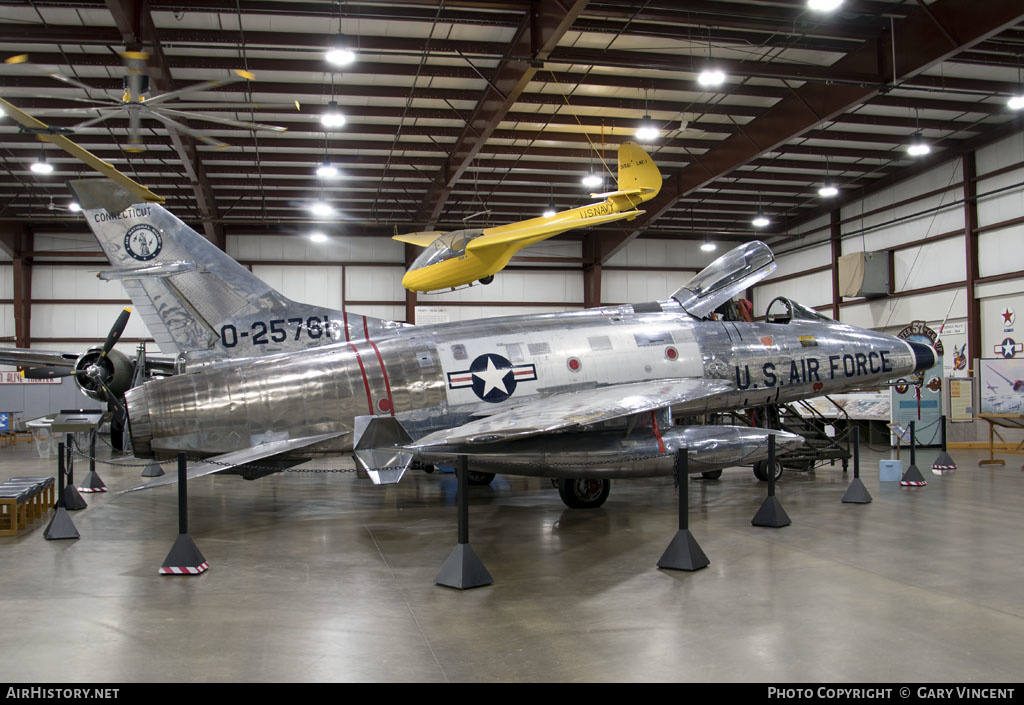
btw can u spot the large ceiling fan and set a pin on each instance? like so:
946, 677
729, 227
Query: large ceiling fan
136, 104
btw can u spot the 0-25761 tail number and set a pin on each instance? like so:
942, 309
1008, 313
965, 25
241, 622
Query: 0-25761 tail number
278, 330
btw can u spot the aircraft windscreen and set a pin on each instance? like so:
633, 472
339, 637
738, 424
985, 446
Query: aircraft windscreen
446, 246
727, 276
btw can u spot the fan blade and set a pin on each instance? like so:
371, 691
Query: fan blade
135, 132
185, 129
239, 107
116, 330
26, 69
77, 111
205, 86
89, 123
224, 121
84, 155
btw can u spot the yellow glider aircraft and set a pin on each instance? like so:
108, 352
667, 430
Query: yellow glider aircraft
460, 257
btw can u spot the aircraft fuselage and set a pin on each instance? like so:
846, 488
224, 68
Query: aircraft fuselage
440, 376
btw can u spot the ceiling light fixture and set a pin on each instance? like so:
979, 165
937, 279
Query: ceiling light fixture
318, 237
708, 246
823, 5
592, 180
326, 170
74, 207
918, 147
646, 131
711, 78
1016, 102
761, 221
550, 213
321, 209
341, 52
332, 117
41, 166
828, 190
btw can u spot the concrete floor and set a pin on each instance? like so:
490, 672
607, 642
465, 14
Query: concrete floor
324, 577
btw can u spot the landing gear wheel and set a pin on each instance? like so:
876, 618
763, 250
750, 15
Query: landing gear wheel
479, 478
761, 470
712, 474
487, 280
584, 493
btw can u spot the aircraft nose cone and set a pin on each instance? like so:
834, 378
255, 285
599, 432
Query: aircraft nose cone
925, 356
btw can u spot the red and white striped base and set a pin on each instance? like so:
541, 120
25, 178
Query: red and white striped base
185, 571
904, 483
943, 467
92, 489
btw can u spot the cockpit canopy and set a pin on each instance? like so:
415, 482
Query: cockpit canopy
446, 246
736, 270
783, 310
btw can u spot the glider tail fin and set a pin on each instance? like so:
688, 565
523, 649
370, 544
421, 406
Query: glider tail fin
637, 171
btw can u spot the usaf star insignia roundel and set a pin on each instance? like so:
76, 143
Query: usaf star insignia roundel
492, 377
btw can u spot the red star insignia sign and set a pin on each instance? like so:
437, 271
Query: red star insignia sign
1008, 317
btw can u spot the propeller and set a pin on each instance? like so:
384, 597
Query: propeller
116, 330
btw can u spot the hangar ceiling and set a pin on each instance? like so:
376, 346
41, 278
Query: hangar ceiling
466, 113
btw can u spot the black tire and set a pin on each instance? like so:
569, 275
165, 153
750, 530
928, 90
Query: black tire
584, 493
478, 479
712, 474
487, 280
761, 470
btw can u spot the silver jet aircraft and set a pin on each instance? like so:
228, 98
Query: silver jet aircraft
581, 397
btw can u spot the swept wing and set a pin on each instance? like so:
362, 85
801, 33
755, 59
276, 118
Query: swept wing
572, 410
220, 463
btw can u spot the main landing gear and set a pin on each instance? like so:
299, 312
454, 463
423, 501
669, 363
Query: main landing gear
488, 279
761, 470
584, 493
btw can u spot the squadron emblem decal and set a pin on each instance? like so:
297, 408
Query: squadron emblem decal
143, 242
492, 377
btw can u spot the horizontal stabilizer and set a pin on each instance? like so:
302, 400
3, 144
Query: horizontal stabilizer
220, 463
577, 409
625, 192
157, 270
421, 239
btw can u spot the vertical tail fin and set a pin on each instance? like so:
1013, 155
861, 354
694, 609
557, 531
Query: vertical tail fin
638, 171
193, 296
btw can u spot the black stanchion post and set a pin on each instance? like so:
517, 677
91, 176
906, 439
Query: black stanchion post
913, 477
73, 501
771, 512
185, 557
943, 464
857, 493
92, 482
60, 526
683, 552
463, 569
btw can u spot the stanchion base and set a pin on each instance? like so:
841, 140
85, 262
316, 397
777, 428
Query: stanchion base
60, 526
184, 558
771, 514
463, 570
943, 464
73, 501
92, 483
913, 478
683, 553
153, 470
857, 493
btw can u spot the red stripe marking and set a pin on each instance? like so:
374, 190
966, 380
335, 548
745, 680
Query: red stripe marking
387, 384
366, 382
345, 314
657, 433
462, 379
366, 333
